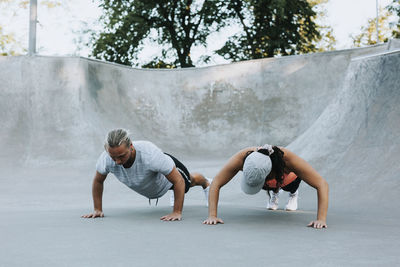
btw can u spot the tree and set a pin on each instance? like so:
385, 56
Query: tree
7, 44
158, 63
271, 27
327, 40
395, 8
368, 33
175, 25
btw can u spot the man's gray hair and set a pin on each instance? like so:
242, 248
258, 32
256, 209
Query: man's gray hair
117, 137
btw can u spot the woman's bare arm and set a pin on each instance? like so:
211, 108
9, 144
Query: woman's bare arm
308, 174
230, 169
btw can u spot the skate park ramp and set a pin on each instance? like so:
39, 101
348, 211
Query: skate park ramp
338, 110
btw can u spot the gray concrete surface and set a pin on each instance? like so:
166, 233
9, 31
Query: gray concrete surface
339, 110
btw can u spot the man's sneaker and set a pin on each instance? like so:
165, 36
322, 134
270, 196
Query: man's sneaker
207, 191
292, 202
171, 198
273, 201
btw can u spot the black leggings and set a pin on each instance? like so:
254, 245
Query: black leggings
183, 171
293, 186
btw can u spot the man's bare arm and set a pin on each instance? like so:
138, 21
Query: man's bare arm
97, 193
179, 193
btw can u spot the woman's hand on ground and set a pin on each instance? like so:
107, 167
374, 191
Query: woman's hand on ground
318, 224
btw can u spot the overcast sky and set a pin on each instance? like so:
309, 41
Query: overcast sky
58, 27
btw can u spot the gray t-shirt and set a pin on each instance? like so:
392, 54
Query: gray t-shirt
147, 174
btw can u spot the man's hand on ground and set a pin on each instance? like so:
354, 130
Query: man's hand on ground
172, 217
95, 214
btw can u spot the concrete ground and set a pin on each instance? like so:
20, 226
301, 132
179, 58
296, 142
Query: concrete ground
338, 110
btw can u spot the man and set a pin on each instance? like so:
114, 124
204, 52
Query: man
144, 168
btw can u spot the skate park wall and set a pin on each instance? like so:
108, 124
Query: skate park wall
355, 143
338, 110
58, 109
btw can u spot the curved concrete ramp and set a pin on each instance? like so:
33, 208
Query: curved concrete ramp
338, 110
355, 142
204, 112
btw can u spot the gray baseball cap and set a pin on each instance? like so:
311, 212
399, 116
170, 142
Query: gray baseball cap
256, 168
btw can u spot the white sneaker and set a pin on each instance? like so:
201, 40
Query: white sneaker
171, 198
292, 202
207, 191
273, 201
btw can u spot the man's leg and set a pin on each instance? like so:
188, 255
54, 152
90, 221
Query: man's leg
199, 179
191, 179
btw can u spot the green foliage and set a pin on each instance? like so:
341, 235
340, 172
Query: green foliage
271, 27
395, 8
368, 34
48, 3
326, 41
175, 25
159, 64
7, 43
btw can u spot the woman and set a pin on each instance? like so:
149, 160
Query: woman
262, 167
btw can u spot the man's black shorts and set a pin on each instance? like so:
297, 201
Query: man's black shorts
183, 171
